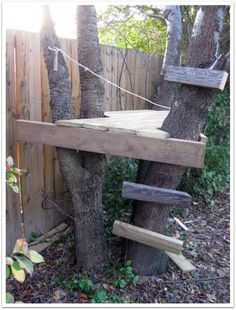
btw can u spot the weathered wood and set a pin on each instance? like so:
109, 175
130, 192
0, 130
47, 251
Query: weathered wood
155, 194
13, 214
196, 76
203, 138
172, 151
147, 237
181, 261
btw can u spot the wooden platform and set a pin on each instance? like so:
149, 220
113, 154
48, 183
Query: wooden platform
133, 134
144, 123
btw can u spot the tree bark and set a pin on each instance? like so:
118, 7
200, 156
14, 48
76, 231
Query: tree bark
83, 181
166, 91
185, 121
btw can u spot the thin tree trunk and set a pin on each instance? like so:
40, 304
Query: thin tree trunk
80, 179
185, 121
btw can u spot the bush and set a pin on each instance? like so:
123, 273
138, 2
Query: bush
119, 169
213, 178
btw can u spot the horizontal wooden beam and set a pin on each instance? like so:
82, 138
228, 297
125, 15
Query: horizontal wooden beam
171, 151
197, 76
181, 261
155, 194
147, 237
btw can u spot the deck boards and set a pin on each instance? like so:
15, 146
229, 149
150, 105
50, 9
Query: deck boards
145, 123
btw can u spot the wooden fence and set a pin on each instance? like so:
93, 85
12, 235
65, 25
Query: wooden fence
27, 97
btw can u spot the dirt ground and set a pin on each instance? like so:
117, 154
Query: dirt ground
206, 244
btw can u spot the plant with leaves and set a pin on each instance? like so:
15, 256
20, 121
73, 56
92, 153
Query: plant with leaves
20, 262
22, 259
12, 175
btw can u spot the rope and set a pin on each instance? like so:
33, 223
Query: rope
55, 50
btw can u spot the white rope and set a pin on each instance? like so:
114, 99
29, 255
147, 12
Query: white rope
105, 80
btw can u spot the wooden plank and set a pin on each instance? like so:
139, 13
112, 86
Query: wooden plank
147, 237
203, 138
181, 261
197, 76
75, 79
13, 214
172, 151
155, 194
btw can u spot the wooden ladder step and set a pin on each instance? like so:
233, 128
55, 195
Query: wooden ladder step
181, 261
197, 76
155, 194
147, 237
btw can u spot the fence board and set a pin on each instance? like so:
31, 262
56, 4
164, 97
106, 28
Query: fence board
13, 215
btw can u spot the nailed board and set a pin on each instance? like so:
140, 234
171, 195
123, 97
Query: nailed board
197, 76
181, 261
155, 194
172, 151
144, 123
147, 237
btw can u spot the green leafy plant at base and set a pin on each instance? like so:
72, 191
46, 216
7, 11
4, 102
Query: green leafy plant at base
214, 176
22, 260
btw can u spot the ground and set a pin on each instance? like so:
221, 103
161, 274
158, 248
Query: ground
206, 245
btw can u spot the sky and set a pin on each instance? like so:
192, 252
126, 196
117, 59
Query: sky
28, 16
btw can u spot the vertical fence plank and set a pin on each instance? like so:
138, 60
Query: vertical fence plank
13, 214
75, 79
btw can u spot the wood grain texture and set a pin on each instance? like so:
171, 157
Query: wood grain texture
172, 151
196, 76
181, 261
13, 215
147, 237
155, 194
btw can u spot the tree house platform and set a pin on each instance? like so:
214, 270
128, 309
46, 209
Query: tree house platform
133, 134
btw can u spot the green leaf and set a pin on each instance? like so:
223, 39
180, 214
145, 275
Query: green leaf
9, 261
15, 188
122, 283
7, 271
9, 298
35, 257
17, 272
25, 263
99, 296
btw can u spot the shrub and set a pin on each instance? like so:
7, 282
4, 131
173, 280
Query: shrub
214, 176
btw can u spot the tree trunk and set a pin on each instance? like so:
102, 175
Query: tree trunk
185, 121
77, 173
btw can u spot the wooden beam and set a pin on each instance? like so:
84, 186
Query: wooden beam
155, 194
203, 138
181, 261
172, 151
197, 76
147, 237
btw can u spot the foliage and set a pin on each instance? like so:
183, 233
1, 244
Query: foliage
124, 275
12, 175
127, 27
21, 261
214, 176
119, 169
33, 236
115, 279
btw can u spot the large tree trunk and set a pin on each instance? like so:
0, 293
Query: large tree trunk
185, 121
83, 179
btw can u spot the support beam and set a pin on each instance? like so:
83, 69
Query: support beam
181, 261
155, 194
197, 77
147, 237
171, 151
